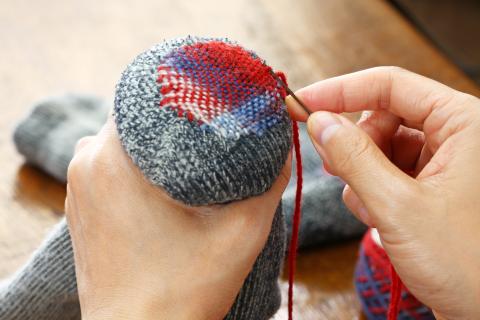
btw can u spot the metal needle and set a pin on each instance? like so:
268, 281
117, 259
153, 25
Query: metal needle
290, 92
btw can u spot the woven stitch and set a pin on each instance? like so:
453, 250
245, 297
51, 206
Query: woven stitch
223, 87
201, 151
372, 281
204, 119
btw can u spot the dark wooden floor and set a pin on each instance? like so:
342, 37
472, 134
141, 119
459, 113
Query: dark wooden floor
82, 46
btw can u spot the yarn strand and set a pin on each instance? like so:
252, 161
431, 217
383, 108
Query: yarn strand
292, 254
395, 295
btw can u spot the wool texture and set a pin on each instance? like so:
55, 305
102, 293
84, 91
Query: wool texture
196, 138
325, 218
205, 120
297, 215
199, 155
47, 136
45, 288
373, 282
174, 123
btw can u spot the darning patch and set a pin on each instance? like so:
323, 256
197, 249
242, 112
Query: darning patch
222, 87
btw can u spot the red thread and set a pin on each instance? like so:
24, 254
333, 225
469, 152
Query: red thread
292, 255
395, 294
381, 264
204, 80
380, 276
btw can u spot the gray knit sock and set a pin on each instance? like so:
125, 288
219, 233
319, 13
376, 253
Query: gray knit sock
47, 136
325, 218
46, 287
196, 162
205, 120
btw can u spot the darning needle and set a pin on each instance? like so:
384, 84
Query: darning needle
290, 92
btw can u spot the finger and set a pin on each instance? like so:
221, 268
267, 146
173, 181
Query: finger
403, 93
423, 159
297, 112
352, 155
381, 126
400, 144
82, 143
407, 145
356, 206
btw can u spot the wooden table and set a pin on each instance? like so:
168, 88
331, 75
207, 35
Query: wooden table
83, 46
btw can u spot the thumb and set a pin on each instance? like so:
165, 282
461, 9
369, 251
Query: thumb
353, 156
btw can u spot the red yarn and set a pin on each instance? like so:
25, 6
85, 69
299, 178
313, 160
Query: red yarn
204, 80
395, 294
296, 220
396, 284
382, 263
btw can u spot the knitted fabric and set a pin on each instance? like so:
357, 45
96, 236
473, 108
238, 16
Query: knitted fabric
47, 136
203, 119
373, 284
27, 294
197, 158
45, 288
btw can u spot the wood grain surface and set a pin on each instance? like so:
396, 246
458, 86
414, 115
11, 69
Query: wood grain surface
436, 17
49, 47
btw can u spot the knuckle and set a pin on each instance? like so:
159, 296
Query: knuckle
436, 99
394, 70
389, 73
82, 142
384, 79
75, 168
468, 102
109, 172
89, 163
94, 174
452, 111
471, 99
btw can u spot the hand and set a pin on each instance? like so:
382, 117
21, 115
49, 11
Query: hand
139, 254
412, 170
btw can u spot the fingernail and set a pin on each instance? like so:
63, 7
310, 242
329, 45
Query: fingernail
323, 126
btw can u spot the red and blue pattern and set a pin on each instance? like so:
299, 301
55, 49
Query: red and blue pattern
373, 284
222, 87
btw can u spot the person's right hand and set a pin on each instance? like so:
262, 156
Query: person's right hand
412, 168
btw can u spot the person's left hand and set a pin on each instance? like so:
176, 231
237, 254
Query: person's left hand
139, 254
